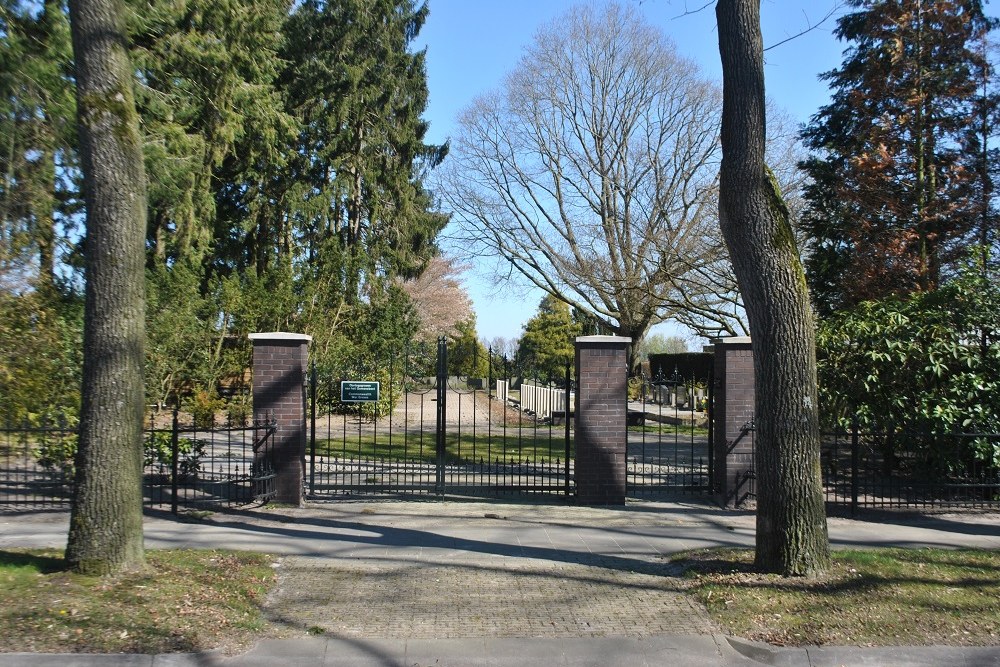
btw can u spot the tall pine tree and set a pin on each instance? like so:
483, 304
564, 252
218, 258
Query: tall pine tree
211, 117
38, 137
359, 92
897, 187
206, 69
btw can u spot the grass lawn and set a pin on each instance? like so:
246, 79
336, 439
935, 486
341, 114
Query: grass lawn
880, 597
535, 445
182, 601
541, 444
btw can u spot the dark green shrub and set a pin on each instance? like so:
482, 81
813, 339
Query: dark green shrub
928, 364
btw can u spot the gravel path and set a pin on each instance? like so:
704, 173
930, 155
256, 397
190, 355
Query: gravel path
417, 411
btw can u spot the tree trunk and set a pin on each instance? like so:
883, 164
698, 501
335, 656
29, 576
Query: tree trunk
791, 521
105, 533
46, 223
637, 332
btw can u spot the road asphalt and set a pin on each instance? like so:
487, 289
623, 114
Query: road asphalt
421, 583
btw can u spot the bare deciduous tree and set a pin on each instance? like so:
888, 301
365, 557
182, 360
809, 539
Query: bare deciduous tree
657, 343
709, 299
503, 347
593, 171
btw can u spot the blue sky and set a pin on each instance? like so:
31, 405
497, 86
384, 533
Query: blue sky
472, 44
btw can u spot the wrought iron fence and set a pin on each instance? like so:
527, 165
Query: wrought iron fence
36, 464
900, 468
904, 469
439, 434
668, 449
185, 466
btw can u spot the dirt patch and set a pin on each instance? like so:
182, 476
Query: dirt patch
417, 411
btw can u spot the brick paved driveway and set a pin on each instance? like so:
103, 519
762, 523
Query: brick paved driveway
498, 597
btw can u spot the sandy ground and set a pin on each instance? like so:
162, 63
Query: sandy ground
418, 411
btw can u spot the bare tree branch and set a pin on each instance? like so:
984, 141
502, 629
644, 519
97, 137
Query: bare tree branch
809, 26
593, 176
594, 171
689, 12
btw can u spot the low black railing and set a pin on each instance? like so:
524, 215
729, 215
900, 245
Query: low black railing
36, 464
902, 469
185, 465
894, 469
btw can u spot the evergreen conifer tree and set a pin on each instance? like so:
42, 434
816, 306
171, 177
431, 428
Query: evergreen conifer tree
546, 345
898, 177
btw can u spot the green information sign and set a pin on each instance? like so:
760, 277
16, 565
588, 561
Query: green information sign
354, 391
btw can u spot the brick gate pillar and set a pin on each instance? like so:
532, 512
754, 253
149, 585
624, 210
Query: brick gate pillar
279, 389
733, 417
601, 405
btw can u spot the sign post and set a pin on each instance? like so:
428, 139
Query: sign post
355, 391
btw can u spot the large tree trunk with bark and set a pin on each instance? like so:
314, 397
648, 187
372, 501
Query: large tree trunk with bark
105, 533
791, 521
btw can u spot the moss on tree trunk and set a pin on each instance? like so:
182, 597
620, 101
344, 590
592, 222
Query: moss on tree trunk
105, 533
791, 521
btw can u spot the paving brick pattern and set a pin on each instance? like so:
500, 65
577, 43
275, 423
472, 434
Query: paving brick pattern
496, 597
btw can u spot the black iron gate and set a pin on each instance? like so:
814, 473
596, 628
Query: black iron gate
670, 427
207, 465
431, 432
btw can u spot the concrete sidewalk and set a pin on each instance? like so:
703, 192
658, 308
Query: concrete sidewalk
420, 583
666, 651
